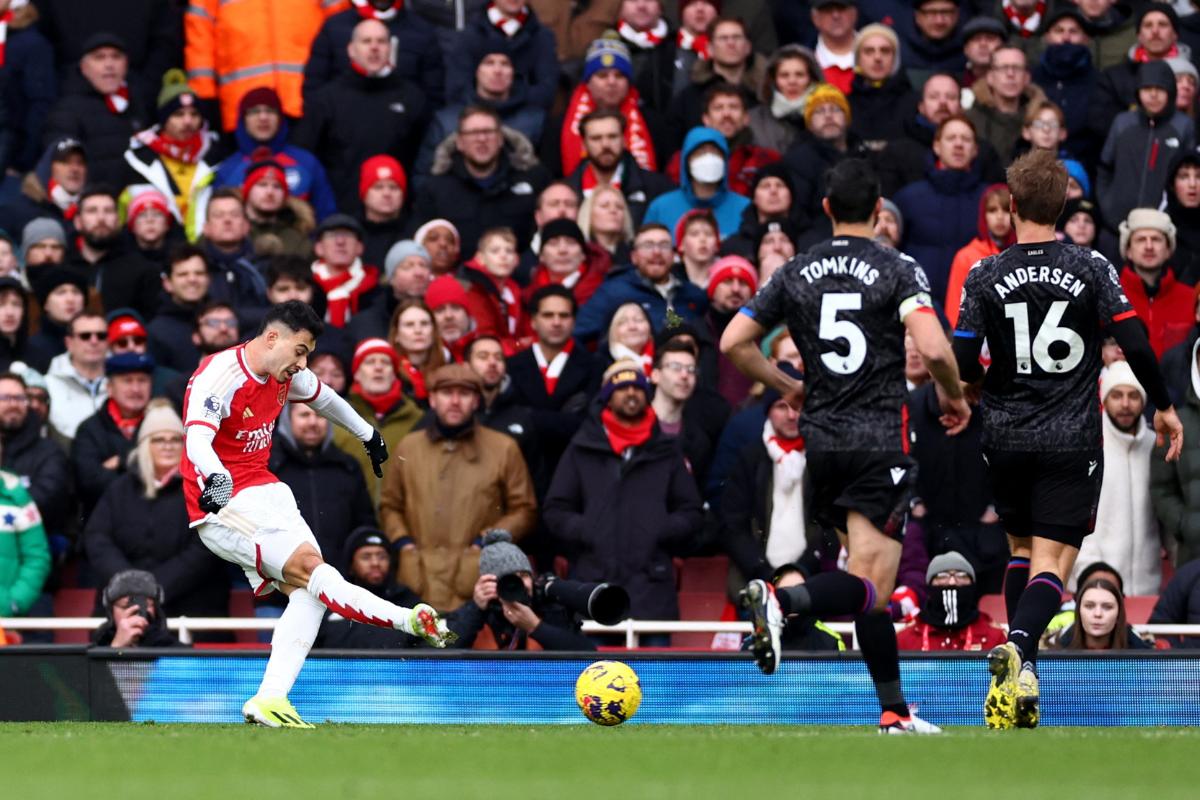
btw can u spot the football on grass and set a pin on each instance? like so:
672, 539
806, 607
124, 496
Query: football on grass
608, 692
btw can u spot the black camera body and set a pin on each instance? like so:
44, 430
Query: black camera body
605, 603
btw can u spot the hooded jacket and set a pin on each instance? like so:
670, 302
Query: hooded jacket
1175, 486
1138, 153
726, 205
1186, 257
414, 47
306, 177
623, 519
506, 198
980, 247
1116, 91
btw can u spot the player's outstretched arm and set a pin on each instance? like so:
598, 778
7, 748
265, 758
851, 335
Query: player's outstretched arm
328, 404
218, 485
939, 359
739, 343
1131, 336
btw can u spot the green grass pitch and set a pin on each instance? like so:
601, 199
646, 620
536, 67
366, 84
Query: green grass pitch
228, 762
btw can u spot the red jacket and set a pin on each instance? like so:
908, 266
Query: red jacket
1169, 314
982, 634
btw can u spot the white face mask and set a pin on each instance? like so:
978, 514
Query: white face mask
707, 168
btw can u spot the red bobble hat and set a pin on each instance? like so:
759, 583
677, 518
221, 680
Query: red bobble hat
261, 166
380, 168
445, 291
147, 198
370, 347
728, 268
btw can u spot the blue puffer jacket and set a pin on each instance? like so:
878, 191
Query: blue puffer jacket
941, 214
726, 204
627, 285
305, 176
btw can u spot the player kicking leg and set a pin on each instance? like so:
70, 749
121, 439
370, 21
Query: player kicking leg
244, 514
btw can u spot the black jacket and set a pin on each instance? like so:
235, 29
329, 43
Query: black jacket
415, 46
51, 485
125, 280
1115, 90
1179, 603
1068, 77
638, 185
97, 439
129, 531
328, 486
623, 519
380, 238
654, 73
151, 30
28, 87
508, 200
354, 117
874, 109
745, 517
532, 52
807, 160
169, 337
82, 113
43, 346
506, 415
235, 278
558, 416
157, 635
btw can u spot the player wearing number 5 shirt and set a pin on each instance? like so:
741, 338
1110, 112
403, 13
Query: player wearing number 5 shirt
245, 515
1043, 307
847, 304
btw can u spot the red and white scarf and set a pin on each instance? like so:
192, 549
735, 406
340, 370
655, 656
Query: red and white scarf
368, 11
785, 537
509, 26
344, 289
620, 352
118, 101
416, 378
697, 43
5, 19
552, 369
188, 152
1026, 24
67, 203
1141, 56
637, 133
644, 39
589, 181
382, 72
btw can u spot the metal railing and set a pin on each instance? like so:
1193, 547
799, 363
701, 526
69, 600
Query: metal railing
632, 629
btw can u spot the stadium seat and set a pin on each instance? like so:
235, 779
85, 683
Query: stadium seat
1138, 608
703, 574
74, 603
993, 606
705, 606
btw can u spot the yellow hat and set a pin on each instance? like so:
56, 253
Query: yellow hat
825, 93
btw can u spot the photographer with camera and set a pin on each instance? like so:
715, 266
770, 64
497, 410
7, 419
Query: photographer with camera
133, 602
517, 609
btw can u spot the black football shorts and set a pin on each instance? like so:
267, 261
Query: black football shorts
878, 485
1052, 495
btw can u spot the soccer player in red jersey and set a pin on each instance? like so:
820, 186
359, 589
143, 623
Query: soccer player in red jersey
249, 517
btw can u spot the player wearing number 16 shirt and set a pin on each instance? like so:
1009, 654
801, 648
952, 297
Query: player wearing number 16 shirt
1043, 306
848, 304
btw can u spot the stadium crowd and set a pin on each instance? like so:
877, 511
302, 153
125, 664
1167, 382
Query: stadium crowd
526, 225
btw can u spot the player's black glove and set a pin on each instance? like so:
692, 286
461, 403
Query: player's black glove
217, 491
377, 452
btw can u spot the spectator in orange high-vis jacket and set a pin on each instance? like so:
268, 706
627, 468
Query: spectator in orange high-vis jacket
231, 48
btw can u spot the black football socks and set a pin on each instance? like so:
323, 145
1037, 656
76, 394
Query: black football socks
1039, 603
877, 641
828, 594
1015, 578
